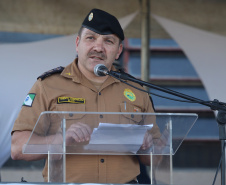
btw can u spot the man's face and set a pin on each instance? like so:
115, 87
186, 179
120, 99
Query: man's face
93, 49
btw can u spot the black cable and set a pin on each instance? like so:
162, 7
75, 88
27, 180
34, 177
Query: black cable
170, 98
219, 165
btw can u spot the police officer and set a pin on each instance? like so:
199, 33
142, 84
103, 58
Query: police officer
77, 88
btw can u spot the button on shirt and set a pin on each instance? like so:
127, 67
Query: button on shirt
109, 98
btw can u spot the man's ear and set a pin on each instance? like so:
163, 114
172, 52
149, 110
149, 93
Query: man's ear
77, 42
119, 51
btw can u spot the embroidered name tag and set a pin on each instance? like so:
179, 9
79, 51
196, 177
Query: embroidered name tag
61, 100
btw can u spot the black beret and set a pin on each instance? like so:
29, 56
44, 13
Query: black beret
103, 23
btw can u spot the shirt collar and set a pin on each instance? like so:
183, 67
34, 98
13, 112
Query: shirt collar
72, 71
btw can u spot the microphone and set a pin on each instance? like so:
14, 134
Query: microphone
101, 70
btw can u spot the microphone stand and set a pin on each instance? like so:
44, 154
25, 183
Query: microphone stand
214, 105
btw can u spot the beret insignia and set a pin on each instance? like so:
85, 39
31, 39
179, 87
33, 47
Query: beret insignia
90, 16
51, 72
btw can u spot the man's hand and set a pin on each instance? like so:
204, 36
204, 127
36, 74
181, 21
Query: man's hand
78, 132
147, 142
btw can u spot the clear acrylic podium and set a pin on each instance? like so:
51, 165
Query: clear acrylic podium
114, 133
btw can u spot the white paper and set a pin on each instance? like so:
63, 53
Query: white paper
118, 137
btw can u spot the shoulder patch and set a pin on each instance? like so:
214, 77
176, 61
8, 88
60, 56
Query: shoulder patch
50, 72
29, 100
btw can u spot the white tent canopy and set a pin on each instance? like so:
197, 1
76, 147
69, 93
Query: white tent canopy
205, 50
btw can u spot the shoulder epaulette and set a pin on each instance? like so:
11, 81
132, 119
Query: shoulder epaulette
50, 72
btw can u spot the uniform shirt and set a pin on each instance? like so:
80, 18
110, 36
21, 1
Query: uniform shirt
111, 97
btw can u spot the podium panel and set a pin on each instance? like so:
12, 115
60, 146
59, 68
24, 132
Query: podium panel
113, 133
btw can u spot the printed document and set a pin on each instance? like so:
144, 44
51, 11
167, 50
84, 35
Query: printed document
118, 137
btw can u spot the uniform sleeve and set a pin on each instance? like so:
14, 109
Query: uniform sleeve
34, 103
150, 108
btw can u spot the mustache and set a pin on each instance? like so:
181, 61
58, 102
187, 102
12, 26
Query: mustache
97, 54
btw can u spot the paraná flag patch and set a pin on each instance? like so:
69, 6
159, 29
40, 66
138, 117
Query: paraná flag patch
29, 100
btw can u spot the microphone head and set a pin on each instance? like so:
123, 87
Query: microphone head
100, 70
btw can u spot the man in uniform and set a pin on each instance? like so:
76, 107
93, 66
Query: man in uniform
99, 42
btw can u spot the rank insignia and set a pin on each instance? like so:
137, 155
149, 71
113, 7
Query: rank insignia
129, 95
51, 72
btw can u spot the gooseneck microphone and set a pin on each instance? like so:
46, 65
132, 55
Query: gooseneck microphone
101, 70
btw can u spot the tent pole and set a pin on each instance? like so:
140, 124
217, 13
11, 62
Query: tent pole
145, 30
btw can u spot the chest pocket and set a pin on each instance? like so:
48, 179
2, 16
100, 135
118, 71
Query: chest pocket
76, 113
66, 111
72, 108
130, 116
